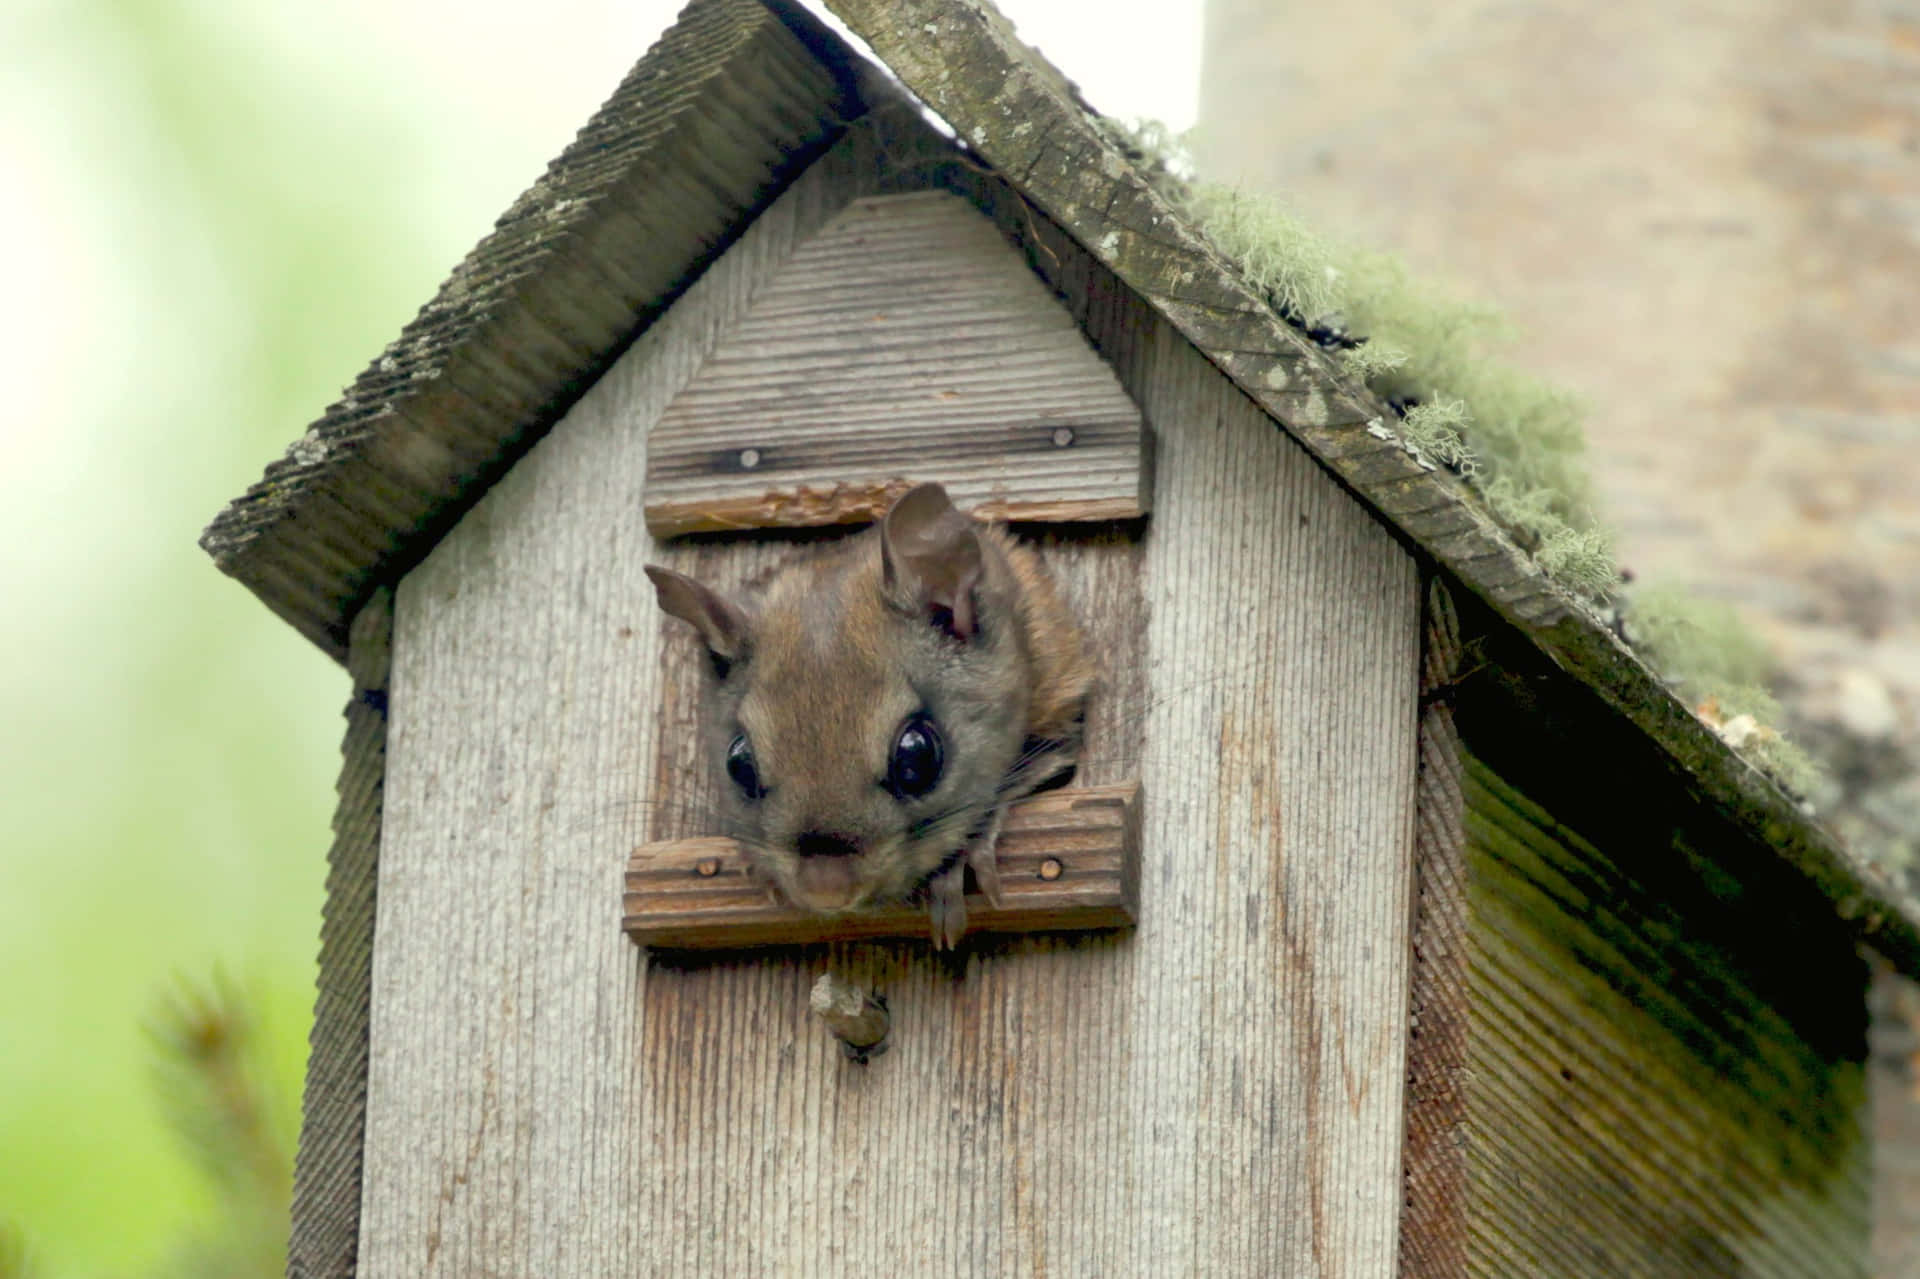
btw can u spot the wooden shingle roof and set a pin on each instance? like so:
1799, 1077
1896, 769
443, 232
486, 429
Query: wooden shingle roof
707, 128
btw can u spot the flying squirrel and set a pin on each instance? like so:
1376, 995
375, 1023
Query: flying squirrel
874, 709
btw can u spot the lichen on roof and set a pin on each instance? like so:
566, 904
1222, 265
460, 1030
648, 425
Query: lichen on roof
1720, 667
1518, 440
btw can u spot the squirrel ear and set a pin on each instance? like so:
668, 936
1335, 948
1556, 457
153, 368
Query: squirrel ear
719, 620
931, 557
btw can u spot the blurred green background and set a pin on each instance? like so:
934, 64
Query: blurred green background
217, 215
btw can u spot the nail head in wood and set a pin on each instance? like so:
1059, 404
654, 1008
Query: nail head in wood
1062, 436
749, 458
674, 902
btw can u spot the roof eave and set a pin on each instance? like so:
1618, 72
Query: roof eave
732, 102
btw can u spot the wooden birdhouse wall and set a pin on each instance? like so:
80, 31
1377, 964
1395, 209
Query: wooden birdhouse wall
1639, 1045
1218, 1090
903, 336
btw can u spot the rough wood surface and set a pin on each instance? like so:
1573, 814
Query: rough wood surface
1667, 1030
326, 1172
904, 338
1216, 1091
1018, 113
862, 503
706, 129
1069, 861
1433, 1217
1653, 1094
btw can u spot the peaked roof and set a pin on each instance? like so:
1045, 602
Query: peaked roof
729, 105
734, 101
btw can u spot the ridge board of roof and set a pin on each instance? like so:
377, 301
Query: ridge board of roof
1024, 119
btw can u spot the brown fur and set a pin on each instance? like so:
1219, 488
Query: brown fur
1060, 674
843, 648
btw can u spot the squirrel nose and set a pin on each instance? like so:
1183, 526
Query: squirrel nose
817, 843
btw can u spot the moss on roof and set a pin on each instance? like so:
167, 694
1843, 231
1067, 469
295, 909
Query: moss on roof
1519, 440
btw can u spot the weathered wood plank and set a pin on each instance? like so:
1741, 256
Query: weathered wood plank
325, 1239
1218, 1090
1667, 1030
1433, 1219
1656, 1085
1344, 1165
862, 503
1069, 861
1285, 645
905, 338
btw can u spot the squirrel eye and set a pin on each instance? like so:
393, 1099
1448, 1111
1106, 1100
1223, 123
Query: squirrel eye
741, 769
915, 767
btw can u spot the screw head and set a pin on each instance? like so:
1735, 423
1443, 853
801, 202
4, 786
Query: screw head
707, 867
749, 458
1062, 436
1050, 869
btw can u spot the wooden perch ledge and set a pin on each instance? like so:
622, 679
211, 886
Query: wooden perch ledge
1069, 860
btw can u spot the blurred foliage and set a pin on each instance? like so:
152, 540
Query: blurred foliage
15, 1263
217, 1089
221, 1095
219, 212
1722, 669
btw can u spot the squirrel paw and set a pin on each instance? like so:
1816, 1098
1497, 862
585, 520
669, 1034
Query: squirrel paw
947, 906
946, 892
982, 859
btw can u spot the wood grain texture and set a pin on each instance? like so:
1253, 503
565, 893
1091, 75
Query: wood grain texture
1022, 116
864, 502
326, 1172
1284, 641
1069, 861
1651, 1094
1433, 1218
1218, 1091
904, 338
1667, 1029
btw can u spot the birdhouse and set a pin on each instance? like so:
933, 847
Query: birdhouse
1395, 916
